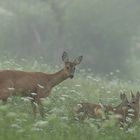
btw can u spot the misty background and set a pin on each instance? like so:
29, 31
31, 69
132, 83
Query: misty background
105, 32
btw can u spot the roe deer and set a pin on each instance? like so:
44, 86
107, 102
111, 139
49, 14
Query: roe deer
121, 110
133, 112
98, 110
91, 110
35, 84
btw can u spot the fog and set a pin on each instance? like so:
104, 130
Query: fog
105, 32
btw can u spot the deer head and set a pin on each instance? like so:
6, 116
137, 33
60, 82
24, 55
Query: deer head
134, 105
69, 68
124, 100
122, 109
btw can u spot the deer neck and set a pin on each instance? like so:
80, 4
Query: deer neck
57, 78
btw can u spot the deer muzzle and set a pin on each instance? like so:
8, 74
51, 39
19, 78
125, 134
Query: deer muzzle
71, 76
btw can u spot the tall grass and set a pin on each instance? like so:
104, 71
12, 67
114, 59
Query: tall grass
18, 123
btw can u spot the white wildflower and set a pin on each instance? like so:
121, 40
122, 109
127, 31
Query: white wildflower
131, 115
111, 73
128, 119
102, 87
64, 118
6, 12
117, 70
25, 99
131, 130
66, 96
65, 87
108, 91
131, 110
11, 114
29, 98
20, 130
15, 126
90, 77
78, 85
74, 91
62, 98
40, 124
36, 129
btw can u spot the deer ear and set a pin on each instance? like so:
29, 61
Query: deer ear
132, 95
78, 60
138, 95
123, 96
65, 57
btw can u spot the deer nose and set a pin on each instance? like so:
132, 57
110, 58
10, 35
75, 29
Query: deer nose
129, 105
71, 76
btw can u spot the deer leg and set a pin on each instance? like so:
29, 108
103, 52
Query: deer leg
4, 101
4, 94
41, 91
35, 103
41, 109
34, 106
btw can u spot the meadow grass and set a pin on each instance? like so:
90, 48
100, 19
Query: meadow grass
18, 123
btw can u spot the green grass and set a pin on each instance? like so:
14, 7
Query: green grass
18, 123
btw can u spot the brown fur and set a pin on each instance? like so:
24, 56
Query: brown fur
98, 110
89, 110
133, 113
22, 83
122, 109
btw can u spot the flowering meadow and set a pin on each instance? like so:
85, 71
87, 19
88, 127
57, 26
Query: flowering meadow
17, 121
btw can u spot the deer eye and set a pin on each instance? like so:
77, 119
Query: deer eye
133, 102
68, 67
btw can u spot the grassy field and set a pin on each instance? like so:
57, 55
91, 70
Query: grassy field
18, 123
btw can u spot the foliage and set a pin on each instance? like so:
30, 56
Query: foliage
102, 31
17, 121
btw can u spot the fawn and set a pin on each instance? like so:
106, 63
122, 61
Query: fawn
121, 110
36, 85
90, 110
133, 112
